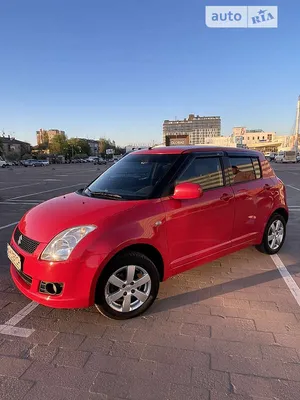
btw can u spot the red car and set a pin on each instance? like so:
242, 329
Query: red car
154, 214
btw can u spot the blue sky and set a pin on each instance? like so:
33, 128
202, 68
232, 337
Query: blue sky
118, 68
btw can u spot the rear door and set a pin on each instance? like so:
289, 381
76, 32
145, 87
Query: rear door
251, 196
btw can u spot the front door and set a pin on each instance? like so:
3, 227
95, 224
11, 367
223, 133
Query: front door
199, 228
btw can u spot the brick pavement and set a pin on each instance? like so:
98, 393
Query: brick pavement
227, 331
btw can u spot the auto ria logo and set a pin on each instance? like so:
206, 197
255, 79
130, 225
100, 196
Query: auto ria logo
241, 16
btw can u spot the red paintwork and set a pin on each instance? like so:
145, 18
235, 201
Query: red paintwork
192, 232
187, 191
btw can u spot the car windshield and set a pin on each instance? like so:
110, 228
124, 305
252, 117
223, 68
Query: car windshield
133, 178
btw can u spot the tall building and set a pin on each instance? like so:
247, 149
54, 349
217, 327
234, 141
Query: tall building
192, 130
44, 136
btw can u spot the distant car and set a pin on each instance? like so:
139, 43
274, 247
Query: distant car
286, 157
38, 163
91, 159
2, 163
29, 163
44, 162
155, 214
100, 161
298, 158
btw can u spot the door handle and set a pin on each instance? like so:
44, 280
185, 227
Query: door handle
226, 197
267, 186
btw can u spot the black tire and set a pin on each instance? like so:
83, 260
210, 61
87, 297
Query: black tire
126, 259
265, 247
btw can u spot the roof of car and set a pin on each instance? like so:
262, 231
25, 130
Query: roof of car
193, 149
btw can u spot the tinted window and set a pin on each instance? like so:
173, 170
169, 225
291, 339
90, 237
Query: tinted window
134, 176
242, 169
206, 172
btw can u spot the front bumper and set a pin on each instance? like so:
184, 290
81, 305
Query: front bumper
78, 277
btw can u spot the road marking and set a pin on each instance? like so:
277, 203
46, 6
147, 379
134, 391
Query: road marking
16, 187
291, 284
45, 191
22, 314
29, 201
15, 203
9, 327
15, 331
7, 226
293, 187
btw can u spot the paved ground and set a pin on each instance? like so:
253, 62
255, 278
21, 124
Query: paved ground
228, 330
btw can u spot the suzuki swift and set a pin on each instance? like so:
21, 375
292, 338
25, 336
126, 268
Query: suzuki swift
154, 214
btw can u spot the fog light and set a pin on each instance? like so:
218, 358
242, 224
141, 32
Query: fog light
52, 288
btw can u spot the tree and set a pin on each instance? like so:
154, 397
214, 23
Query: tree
78, 146
1, 147
25, 149
58, 145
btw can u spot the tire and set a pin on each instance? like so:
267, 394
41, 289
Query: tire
117, 270
266, 245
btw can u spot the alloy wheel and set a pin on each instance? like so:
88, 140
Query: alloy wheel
275, 234
128, 288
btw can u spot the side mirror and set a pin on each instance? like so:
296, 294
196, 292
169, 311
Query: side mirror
187, 191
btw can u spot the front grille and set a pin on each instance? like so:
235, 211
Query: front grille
26, 244
26, 278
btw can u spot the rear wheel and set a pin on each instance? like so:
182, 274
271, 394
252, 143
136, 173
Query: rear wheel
127, 287
274, 235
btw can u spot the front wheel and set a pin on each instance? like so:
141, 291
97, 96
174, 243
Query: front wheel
127, 287
274, 235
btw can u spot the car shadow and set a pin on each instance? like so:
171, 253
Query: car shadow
198, 295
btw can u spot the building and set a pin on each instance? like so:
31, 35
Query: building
45, 137
223, 141
257, 139
136, 146
13, 148
93, 145
192, 130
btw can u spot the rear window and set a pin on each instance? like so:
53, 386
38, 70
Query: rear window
244, 169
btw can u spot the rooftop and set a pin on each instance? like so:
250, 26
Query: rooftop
191, 149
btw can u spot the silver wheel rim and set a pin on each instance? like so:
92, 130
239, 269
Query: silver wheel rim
128, 288
275, 234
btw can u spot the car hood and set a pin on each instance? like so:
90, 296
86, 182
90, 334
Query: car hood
46, 220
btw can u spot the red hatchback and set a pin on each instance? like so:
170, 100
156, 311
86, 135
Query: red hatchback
152, 215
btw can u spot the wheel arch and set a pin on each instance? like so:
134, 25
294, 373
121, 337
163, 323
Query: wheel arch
283, 212
148, 250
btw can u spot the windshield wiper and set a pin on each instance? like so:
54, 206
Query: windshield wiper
104, 194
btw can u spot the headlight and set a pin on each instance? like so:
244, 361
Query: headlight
60, 248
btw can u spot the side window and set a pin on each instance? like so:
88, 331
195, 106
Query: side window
206, 172
257, 169
242, 169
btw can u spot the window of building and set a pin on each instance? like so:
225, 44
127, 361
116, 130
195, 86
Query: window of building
242, 170
206, 172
